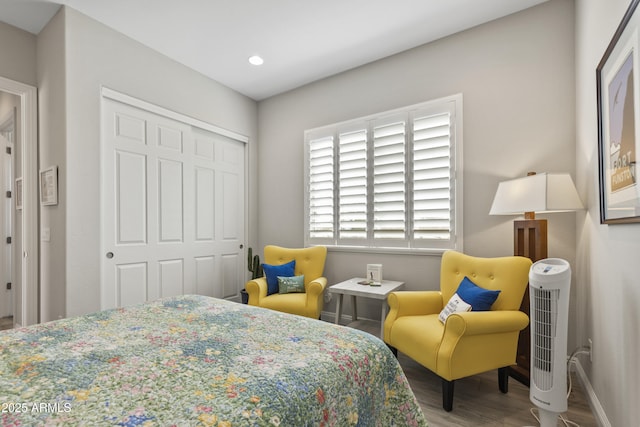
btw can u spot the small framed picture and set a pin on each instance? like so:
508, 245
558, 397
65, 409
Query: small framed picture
374, 273
18, 196
49, 186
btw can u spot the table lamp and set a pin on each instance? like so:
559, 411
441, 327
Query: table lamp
541, 193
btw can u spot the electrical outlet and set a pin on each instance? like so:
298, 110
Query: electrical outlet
590, 350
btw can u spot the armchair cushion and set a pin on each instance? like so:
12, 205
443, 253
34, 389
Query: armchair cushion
455, 305
272, 272
480, 299
291, 284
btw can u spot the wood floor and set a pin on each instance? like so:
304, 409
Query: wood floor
6, 323
477, 401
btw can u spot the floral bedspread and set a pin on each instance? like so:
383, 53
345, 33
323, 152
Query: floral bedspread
195, 360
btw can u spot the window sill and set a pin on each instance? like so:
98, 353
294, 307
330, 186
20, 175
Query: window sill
388, 251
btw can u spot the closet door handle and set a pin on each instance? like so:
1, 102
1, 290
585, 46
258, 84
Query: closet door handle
109, 255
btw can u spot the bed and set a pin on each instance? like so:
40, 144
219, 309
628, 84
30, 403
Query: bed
195, 360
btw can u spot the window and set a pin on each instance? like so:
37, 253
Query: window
392, 180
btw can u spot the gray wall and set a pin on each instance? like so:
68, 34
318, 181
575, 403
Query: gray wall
52, 152
17, 54
95, 56
607, 256
516, 75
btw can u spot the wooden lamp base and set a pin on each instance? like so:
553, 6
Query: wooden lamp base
530, 240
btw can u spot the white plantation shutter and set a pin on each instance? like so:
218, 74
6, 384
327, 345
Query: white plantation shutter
393, 180
432, 212
389, 181
320, 188
352, 185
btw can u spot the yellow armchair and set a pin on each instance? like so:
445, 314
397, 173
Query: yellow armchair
467, 343
310, 262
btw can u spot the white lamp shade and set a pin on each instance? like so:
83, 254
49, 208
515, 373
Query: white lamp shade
543, 192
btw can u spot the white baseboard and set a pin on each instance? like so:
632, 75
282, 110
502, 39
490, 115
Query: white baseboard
592, 398
330, 316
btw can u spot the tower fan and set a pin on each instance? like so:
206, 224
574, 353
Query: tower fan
549, 285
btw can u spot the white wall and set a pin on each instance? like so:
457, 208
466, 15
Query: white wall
516, 75
94, 56
607, 273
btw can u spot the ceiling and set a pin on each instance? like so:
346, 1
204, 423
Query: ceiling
300, 40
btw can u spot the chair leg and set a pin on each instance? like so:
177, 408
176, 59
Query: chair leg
503, 379
447, 395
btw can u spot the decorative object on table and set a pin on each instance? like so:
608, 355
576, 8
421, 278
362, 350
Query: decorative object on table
289, 262
374, 274
542, 193
49, 186
467, 343
617, 97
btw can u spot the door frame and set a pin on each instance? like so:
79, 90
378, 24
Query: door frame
28, 128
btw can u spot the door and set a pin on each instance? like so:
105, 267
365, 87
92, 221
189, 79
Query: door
173, 208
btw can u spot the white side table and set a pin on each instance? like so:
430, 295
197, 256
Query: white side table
354, 289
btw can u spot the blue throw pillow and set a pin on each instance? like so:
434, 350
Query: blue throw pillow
480, 299
272, 272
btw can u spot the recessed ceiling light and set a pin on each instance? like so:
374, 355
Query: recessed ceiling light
256, 60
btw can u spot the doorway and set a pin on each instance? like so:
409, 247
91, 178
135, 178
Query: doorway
24, 242
8, 104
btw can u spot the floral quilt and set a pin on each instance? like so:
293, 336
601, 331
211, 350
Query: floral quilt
200, 361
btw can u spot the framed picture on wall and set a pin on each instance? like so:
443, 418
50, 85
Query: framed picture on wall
618, 89
18, 191
49, 186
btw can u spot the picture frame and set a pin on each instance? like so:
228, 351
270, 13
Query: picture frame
18, 190
49, 186
618, 104
374, 274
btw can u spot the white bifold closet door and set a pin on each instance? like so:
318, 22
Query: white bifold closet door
173, 208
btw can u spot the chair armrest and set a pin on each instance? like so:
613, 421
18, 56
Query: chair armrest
410, 303
316, 287
485, 322
414, 303
257, 289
